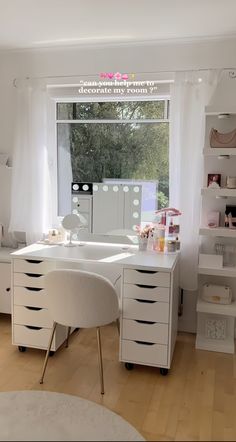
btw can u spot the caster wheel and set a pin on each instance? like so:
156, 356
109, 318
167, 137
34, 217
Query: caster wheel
21, 349
164, 371
129, 366
51, 353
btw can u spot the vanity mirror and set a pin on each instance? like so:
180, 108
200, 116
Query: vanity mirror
114, 207
71, 223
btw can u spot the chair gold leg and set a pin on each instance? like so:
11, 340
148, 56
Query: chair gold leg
100, 359
48, 351
118, 325
68, 335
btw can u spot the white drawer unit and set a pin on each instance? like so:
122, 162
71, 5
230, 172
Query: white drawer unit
149, 317
32, 266
145, 277
37, 337
30, 296
146, 310
147, 353
147, 331
35, 316
5, 287
31, 322
152, 293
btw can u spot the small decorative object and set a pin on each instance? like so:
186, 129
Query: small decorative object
142, 243
219, 140
230, 217
213, 219
216, 329
171, 246
211, 261
217, 294
213, 180
231, 182
144, 235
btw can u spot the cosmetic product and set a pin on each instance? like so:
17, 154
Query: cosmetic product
150, 242
160, 240
177, 243
213, 219
171, 246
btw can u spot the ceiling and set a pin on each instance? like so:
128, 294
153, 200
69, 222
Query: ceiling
50, 23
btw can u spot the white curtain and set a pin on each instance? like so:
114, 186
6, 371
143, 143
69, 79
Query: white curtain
31, 190
190, 93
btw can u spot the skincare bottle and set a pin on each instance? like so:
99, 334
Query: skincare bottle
150, 244
177, 243
161, 240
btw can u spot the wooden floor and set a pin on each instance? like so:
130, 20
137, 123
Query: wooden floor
196, 401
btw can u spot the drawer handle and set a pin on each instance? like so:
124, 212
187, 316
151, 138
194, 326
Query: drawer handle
147, 271
33, 261
33, 289
8, 289
34, 308
145, 322
143, 286
144, 343
32, 327
146, 301
33, 275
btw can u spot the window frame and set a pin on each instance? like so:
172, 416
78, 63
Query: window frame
52, 131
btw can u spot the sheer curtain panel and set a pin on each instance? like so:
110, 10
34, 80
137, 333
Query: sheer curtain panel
190, 93
30, 200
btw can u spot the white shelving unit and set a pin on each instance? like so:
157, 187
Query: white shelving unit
223, 232
216, 322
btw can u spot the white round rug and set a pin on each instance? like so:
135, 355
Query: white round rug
46, 416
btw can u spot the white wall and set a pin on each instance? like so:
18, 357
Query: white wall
136, 58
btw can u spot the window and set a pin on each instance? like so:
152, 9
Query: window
116, 140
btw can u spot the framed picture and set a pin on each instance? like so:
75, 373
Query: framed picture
213, 180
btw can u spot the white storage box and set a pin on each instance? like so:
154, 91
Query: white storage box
217, 294
211, 261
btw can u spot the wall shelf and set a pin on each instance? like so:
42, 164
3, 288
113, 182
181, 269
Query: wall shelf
218, 231
217, 309
217, 152
221, 271
220, 192
216, 322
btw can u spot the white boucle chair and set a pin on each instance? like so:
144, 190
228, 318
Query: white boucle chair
80, 299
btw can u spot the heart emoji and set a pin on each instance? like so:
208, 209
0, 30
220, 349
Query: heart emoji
110, 75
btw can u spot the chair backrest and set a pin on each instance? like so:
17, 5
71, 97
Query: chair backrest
83, 299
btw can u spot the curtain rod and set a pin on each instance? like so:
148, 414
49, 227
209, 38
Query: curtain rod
232, 74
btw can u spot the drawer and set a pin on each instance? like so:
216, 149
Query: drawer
144, 277
145, 331
32, 266
30, 296
31, 316
29, 280
146, 311
38, 337
148, 292
81, 204
140, 352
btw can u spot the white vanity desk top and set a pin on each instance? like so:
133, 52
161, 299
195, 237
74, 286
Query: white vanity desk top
5, 254
121, 254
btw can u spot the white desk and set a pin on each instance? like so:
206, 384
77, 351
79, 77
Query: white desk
149, 297
5, 280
